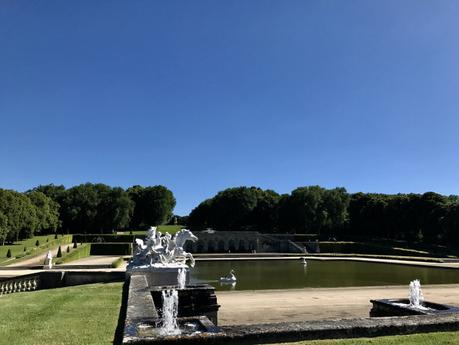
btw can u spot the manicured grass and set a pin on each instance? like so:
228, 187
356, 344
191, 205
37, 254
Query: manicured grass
444, 338
80, 252
17, 249
80, 315
172, 229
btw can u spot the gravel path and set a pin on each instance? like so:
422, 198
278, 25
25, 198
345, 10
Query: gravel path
267, 306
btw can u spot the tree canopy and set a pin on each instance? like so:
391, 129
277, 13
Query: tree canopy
86, 208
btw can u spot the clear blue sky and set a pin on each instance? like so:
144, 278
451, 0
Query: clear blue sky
204, 95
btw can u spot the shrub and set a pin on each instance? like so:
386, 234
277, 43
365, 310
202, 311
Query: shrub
55, 236
101, 238
68, 249
75, 244
111, 249
118, 262
37, 243
8, 254
47, 239
59, 252
25, 249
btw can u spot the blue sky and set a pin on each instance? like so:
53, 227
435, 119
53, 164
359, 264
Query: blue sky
204, 95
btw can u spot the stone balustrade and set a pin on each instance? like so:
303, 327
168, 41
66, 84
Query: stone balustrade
19, 284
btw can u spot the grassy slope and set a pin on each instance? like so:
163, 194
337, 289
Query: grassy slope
18, 247
446, 338
82, 251
86, 314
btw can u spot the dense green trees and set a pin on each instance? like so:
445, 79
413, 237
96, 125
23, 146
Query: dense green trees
237, 207
305, 210
86, 208
153, 205
98, 208
429, 217
22, 215
313, 209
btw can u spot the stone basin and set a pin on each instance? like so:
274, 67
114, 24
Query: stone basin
402, 307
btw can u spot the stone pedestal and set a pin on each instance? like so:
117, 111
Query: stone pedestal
160, 276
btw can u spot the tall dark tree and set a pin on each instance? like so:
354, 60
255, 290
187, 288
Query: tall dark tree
236, 208
114, 210
47, 211
314, 209
153, 205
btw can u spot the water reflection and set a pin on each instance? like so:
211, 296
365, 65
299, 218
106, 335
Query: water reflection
288, 274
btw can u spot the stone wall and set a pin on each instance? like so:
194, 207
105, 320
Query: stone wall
241, 242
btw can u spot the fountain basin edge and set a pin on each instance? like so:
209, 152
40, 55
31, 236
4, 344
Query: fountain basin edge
401, 307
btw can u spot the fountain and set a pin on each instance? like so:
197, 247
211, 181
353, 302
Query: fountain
413, 305
415, 294
161, 302
160, 257
181, 278
169, 324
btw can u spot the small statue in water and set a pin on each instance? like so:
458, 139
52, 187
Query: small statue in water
229, 278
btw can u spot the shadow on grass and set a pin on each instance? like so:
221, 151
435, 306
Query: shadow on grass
118, 339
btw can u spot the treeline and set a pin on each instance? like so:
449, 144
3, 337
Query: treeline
429, 217
23, 214
86, 208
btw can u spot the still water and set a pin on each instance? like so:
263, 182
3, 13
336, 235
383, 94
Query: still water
290, 274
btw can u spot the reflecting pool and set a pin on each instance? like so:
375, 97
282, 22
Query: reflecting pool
290, 274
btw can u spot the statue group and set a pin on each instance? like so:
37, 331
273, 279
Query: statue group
162, 250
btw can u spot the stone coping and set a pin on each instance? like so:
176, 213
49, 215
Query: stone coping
311, 330
324, 257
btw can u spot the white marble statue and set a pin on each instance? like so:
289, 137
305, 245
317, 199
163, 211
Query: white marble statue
49, 259
162, 250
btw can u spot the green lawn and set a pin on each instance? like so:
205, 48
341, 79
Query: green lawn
88, 314
446, 338
80, 315
18, 247
172, 229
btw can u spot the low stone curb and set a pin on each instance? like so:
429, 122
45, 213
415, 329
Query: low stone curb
313, 330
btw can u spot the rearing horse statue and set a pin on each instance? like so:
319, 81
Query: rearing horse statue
162, 249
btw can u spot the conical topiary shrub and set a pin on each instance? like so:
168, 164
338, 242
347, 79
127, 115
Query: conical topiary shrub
75, 244
37, 243
55, 236
25, 249
8, 254
59, 252
68, 249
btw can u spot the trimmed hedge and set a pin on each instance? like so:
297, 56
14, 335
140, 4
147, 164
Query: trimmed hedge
111, 249
81, 252
103, 238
